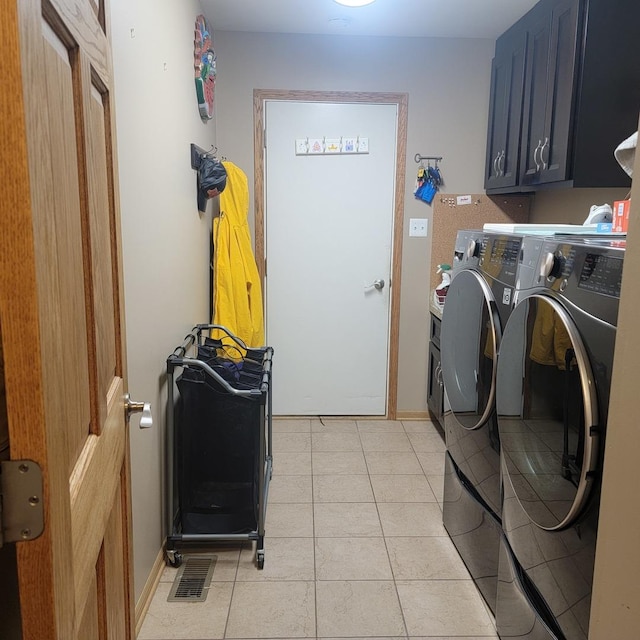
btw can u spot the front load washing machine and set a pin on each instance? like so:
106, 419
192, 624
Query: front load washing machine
553, 383
478, 304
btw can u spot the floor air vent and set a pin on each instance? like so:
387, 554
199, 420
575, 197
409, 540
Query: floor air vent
193, 579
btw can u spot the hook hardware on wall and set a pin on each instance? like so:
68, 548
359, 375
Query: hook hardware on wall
418, 158
198, 152
454, 201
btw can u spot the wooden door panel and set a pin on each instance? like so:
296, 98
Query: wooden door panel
78, 19
101, 230
61, 282
57, 214
89, 627
113, 598
60, 297
94, 487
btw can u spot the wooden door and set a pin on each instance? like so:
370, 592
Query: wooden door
61, 313
328, 238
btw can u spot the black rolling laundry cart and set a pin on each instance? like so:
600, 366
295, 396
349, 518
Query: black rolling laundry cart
218, 442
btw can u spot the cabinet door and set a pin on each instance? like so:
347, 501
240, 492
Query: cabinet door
556, 150
505, 110
497, 117
549, 89
435, 390
535, 94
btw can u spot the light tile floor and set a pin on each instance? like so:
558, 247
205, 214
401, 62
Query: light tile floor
354, 546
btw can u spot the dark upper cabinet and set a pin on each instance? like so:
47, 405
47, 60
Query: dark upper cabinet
580, 97
551, 61
505, 110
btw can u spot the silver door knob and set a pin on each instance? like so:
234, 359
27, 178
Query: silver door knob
379, 284
146, 419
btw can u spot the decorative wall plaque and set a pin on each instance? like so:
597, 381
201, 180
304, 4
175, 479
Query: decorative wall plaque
205, 68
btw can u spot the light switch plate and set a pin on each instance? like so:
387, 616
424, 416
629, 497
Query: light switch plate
418, 227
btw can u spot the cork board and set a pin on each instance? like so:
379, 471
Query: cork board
449, 217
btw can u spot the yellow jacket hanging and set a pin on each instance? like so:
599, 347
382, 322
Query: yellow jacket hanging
236, 284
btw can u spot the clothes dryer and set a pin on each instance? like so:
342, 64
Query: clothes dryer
553, 383
479, 302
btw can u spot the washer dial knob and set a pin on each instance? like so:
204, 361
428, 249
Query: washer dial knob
551, 265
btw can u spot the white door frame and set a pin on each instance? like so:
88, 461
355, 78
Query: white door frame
401, 100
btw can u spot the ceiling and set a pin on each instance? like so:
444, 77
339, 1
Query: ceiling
405, 18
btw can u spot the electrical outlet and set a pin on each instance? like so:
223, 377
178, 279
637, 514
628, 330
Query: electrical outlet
418, 227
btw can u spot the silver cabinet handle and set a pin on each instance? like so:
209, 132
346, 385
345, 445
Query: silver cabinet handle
535, 155
495, 165
146, 419
501, 162
544, 164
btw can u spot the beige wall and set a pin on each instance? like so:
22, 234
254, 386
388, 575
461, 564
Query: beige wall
615, 611
571, 206
448, 85
166, 241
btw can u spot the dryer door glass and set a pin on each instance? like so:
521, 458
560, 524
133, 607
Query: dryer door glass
468, 341
547, 412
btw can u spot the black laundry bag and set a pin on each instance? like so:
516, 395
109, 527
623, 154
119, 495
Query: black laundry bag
243, 371
218, 453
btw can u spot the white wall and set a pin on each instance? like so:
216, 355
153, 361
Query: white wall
448, 85
166, 240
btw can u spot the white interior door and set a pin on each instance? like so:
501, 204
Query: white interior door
328, 238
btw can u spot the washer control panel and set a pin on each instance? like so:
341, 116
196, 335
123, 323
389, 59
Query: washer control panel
601, 274
595, 269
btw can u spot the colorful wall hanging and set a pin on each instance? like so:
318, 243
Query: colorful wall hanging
205, 68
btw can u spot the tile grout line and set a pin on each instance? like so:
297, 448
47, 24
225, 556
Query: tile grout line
313, 525
233, 589
384, 538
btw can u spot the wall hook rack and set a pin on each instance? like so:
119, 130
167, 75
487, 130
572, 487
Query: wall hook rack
197, 153
418, 158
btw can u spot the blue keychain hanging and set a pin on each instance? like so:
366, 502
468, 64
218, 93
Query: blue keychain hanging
428, 180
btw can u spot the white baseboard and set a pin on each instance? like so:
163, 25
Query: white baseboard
142, 605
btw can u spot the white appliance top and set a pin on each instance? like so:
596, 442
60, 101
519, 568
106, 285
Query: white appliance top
546, 229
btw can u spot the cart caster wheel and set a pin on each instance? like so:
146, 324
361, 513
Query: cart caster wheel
260, 559
175, 560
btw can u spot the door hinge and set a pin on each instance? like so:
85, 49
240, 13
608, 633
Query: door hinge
21, 501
